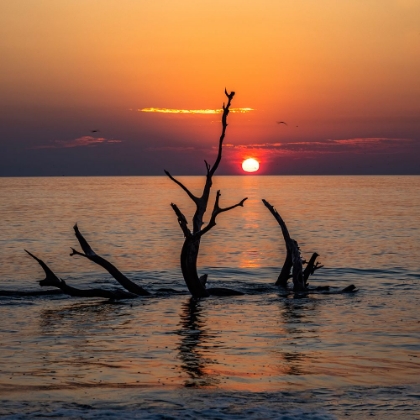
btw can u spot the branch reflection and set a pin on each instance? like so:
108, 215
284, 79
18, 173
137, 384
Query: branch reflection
77, 318
298, 316
192, 348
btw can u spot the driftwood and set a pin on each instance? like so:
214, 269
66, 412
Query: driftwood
92, 256
294, 259
295, 262
189, 253
52, 280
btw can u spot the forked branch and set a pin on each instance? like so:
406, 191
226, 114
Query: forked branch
311, 267
217, 210
120, 277
201, 202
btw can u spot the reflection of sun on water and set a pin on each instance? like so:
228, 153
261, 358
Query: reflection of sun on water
251, 259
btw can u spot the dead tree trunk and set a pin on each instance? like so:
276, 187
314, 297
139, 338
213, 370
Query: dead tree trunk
189, 254
120, 277
52, 280
294, 259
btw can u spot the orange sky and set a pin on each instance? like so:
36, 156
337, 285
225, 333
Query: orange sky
344, 75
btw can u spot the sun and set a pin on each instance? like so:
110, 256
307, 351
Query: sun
250, 165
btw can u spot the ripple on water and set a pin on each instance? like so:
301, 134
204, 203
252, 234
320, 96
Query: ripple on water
321, 403
262, 355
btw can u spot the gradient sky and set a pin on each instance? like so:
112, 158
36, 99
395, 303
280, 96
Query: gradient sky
343, 74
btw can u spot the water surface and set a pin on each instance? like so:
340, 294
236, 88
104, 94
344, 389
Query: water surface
263, 354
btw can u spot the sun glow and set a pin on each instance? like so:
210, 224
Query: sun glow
250, 165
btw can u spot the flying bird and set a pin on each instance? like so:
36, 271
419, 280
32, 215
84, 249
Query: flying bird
94, 131
281, 122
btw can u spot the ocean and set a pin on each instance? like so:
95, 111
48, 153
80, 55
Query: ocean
264, 355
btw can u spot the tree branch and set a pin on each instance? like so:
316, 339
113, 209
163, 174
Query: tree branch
50, 278
280, 221
189, 193
222, 136
293, 258
75, 252
182, 221
207, 167
311, 267
217, 210
83, 242
120, 277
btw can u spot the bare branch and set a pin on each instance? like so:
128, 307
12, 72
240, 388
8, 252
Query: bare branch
120, 277
50, 278
83, 243
207, 167
189, 193
280, 221
293, 258
217, 210
222, 136
311, 267
75, 252
181, 220
241, 203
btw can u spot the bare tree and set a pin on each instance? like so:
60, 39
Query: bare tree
191, 246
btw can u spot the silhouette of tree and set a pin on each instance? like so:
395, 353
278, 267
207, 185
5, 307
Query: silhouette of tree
191, 246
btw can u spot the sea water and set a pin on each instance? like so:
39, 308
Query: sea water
266, 354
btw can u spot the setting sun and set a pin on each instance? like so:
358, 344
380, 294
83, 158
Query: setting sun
250, 165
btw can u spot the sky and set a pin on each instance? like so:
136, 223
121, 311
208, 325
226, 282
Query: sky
83, 84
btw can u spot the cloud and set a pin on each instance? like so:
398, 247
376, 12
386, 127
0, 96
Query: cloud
253, 146
374, 145
194, 111
85, 141
171, 149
